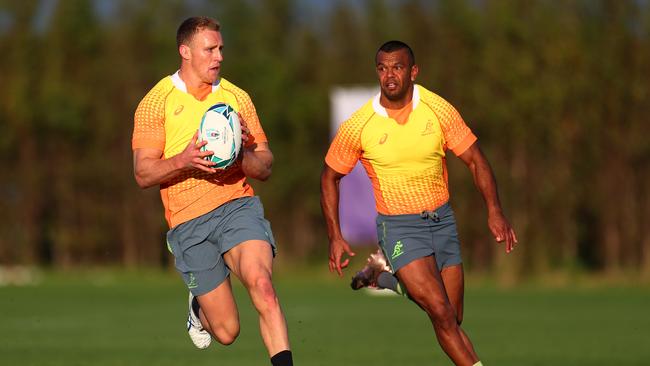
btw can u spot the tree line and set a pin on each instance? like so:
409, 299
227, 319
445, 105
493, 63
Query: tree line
557, 92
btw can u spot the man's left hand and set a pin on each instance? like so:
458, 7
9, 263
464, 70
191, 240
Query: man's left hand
502, 231
246, 139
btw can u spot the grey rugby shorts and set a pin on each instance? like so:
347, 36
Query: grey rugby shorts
405, 238
198, 245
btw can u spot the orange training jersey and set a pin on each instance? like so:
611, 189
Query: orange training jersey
166, 120
405, 162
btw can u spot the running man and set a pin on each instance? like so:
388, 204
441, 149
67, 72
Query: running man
217, 225
401, 137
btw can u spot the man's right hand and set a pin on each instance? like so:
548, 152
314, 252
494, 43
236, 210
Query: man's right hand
339, 247
151, 169
193, 157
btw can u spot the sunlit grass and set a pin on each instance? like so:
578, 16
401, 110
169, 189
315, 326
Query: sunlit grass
114, 318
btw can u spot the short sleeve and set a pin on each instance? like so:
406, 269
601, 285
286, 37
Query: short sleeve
149, 121
249, 114
345, 150
458, 136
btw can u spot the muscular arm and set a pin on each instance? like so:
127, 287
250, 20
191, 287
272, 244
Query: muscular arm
256, 158
150, 169
257, 161
484, 180
329, 201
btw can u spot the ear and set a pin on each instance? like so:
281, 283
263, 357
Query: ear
414, 72
185, 52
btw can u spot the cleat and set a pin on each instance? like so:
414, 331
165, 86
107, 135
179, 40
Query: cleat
367, 276
199, 336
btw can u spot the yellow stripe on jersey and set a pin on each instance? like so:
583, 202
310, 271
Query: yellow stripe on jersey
405, 162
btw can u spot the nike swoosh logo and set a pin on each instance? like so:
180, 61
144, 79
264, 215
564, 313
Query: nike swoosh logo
178, 110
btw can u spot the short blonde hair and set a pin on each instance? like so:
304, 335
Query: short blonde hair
191, 26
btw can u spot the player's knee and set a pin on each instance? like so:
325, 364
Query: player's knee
263, 294
439, 311
226, 338
443, 315
227, 334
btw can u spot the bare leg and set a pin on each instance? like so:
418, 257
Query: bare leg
251, 261
425, 287
453, 279
219, 315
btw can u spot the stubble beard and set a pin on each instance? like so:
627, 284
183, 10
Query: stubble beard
397, 95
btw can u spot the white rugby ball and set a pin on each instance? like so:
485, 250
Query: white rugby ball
220, 127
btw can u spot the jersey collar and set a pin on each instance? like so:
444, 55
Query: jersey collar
180, 84
380, 110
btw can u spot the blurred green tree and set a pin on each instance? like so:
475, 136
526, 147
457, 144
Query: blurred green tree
557, 93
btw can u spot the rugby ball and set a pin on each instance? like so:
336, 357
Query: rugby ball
220, 127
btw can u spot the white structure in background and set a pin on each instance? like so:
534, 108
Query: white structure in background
357, 205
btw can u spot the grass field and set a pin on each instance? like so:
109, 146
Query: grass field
139, 319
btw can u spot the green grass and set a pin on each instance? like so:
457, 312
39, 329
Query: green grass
139, 319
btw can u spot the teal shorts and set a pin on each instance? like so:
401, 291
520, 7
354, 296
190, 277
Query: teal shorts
405, 238
198, 245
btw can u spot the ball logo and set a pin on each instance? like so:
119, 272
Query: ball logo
212, 134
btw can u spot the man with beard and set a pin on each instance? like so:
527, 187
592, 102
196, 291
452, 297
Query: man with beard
401, 137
